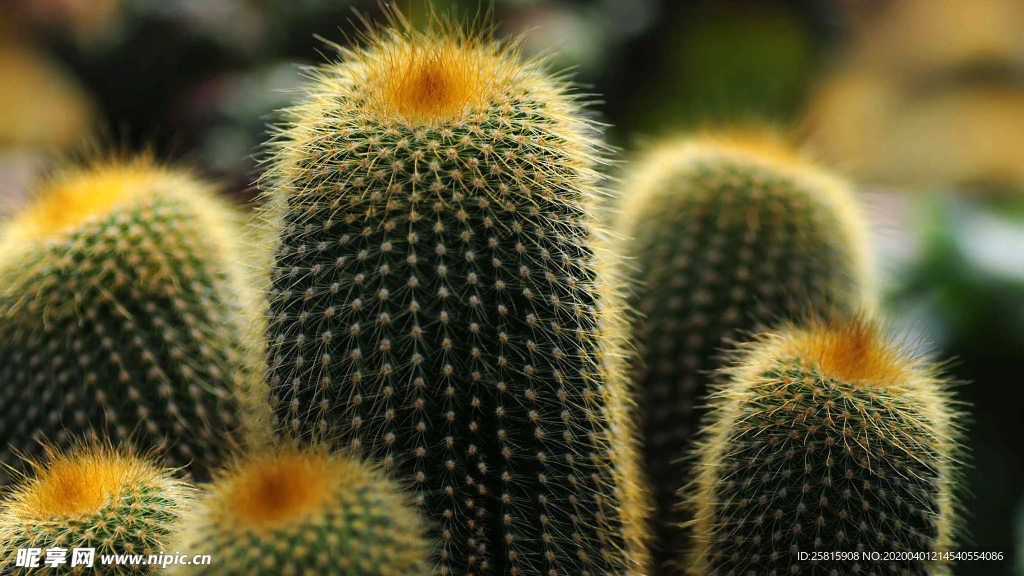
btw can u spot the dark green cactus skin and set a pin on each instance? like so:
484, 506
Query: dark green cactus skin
822, 465
121, 330
724, 246
435, 303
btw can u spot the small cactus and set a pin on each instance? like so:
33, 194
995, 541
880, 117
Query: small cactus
95, 497
437, 300
829, 437
288, 511
122, 313
729, 234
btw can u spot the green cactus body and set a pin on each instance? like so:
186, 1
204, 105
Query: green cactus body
121, 314
436, 302
99, 498
729, 234
294, 513
826, 438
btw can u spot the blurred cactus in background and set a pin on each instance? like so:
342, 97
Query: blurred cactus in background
303, 512
91, 496
831, 437
124, 312
730, 233
437, 300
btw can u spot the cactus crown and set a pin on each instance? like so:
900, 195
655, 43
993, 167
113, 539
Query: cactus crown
425, 78
82, 482
78, 194
305, 511
441, 87
853, 351
275, 489
93, 188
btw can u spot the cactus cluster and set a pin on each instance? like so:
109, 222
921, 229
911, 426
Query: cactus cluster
441, 382
122, 313
730, 234
825, 437
303, 511
436, 300
93, 497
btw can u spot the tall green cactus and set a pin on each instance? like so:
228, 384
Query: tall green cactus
122, 313
729, 233
827, 438
303, 512
91, 497
437, 301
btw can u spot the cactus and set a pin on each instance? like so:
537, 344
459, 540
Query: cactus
90, 497
122, 313
289, 511
730, 233
829, 437
437, 300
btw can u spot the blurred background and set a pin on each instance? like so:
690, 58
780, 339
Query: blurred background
920, 102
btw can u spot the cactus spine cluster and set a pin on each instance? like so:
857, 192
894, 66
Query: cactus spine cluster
122, 313
304, 512
436, 301
730, 233
825, 438
91, 497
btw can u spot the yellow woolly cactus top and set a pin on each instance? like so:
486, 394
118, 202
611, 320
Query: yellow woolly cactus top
305, 511
854, 351
423, 78
276, 489
78, 193
427, 79
288, 486
82, 482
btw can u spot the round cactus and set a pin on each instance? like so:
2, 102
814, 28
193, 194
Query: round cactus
122, 313
91, 497
729, 234
437, 301
289, 512
825, 438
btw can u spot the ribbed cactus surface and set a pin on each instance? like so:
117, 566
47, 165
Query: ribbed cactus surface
437, 302
729, 234
90, 497
121, 313
304, 512
832, 439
